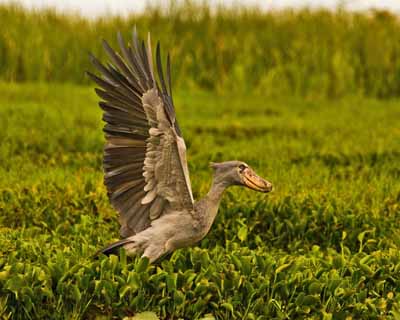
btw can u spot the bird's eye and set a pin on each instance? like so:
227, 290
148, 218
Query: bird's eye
242, 167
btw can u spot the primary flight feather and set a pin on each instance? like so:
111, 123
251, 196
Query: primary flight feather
146, 172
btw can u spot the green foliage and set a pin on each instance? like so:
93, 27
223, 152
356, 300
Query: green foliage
324, 245
143, 316
305, 53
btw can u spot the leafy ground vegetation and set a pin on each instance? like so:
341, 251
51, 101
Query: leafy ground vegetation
324, 245
251, 86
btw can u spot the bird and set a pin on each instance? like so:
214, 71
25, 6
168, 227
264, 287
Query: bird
145, 167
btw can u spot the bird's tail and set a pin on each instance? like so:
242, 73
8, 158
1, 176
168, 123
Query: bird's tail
113, 248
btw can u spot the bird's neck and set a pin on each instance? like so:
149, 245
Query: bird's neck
217, 189
213, 198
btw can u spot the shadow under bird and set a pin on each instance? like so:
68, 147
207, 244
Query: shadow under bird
146, 172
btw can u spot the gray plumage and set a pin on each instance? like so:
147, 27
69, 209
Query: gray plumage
145, 167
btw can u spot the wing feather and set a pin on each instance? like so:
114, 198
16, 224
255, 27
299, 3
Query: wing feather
145, 168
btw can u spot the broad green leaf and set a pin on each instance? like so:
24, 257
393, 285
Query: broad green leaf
143, 316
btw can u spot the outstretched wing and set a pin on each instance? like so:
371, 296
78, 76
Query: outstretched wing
145, 163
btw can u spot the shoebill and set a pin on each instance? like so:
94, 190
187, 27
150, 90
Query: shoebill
146, 172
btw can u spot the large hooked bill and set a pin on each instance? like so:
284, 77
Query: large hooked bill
255, 182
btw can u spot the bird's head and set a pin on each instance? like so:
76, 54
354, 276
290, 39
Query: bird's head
240, 173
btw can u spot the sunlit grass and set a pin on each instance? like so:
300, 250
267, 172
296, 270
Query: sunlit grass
305, 53
324, 243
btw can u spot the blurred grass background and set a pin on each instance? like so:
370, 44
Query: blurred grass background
305, 52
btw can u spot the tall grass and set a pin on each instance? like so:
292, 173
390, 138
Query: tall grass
304, 52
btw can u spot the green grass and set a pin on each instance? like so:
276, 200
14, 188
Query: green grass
324, 245
307, 53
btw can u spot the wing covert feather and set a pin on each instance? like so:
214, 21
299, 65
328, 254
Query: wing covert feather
146, 172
